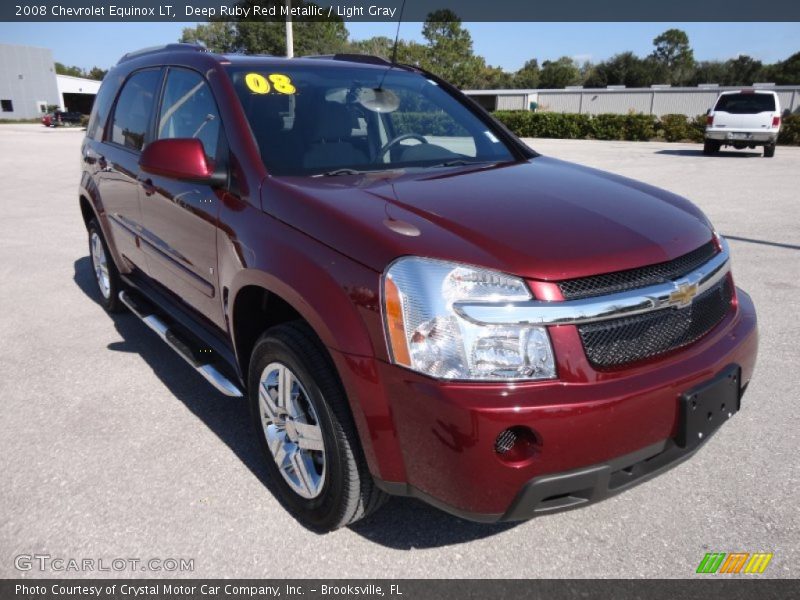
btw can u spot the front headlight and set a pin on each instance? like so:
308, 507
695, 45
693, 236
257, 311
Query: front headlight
427, 336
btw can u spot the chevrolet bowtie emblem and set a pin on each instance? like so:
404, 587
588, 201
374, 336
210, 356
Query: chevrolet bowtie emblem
684, 295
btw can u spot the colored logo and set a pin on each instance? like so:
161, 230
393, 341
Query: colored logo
735, 562
684, 295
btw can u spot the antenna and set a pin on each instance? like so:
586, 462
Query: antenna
394, 47
397, 34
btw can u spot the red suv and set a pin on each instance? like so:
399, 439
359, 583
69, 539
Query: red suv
412, 300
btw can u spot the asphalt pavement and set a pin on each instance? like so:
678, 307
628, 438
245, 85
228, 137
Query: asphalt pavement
112, 447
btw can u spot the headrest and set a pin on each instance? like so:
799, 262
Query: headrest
332, 122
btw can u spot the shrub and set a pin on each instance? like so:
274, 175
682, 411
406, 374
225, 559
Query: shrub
632, 127
790, 130
674, 128
562, 125
640, 128
431, 123
544, 124
623, 127
517, 121
697, 128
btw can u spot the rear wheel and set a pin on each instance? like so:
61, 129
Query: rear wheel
769, 150
710, 147
316, 466
106, 275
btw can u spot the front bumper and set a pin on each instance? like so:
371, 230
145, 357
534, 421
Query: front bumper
741, 137
595, 430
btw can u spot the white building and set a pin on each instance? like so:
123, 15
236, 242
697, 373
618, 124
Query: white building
29, 84
27, 81
76, 93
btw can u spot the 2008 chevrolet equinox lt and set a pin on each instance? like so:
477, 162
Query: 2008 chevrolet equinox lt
412, 300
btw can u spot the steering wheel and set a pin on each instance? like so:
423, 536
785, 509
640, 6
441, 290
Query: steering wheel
393, 142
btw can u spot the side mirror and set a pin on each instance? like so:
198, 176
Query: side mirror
708, 112
178, 158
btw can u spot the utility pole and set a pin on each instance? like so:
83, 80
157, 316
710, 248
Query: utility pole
289, 31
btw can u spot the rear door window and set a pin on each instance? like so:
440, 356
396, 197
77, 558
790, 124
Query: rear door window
134, 109
746, 104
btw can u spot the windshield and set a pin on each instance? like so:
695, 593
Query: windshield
746, 104
310, 120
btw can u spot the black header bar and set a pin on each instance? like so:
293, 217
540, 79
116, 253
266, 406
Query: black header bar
389, 10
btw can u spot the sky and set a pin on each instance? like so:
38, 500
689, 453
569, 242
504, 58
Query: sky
507, 45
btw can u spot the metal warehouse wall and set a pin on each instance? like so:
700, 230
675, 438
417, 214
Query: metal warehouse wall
512, 102
656, 101
27, 79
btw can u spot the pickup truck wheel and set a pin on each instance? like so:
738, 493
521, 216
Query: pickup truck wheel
769, 150
316, 466
106, 275
710, 147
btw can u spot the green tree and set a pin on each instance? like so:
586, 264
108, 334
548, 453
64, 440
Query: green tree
559, 73
785, 72
528, 76
73, 71
97, 73
412, 53
743, 70
450, 54
710, 71
494, 78
675, 56
374, 46
623, 69
217, 36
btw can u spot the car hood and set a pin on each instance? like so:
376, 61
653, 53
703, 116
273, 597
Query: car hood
541, 219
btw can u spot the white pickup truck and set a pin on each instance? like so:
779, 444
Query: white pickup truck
744, 119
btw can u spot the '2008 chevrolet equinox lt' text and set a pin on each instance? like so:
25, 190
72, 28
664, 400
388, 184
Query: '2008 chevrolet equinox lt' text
412, 300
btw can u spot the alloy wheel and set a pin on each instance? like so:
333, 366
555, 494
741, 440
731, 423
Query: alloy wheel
100, 264
292, 430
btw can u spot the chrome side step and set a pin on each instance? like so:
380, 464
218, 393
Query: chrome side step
182, 348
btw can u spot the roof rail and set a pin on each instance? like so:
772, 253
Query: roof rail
358, 58
162, 48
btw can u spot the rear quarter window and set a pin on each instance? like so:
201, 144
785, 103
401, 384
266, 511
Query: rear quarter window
101, 108
746, 104
134, 109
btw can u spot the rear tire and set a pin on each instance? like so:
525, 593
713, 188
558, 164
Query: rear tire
316, 466
710, 147
106, 276
769, 150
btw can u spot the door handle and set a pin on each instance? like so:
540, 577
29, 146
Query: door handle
147, 185
91, 157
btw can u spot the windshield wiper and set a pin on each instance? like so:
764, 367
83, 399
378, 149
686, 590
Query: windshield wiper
337, 172
459, 162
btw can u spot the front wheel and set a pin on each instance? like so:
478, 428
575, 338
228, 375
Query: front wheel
769, 150
316, 466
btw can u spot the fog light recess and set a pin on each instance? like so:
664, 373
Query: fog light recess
516, 444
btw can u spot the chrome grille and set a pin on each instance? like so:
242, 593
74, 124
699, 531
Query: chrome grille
629, 339
620, 281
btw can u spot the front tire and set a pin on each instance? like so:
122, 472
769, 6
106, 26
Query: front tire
106, 275
316, 466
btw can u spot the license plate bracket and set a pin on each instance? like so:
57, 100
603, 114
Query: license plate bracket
705, 408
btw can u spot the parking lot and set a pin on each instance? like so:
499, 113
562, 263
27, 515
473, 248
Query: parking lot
113, 447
